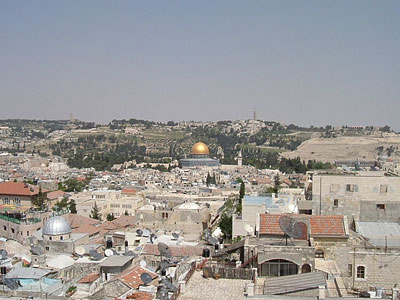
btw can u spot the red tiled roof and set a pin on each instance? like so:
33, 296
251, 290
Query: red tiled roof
89, 229
55, 194
132, 277
177, 251
125, 221
318, 225
141, 296
327, 226
128, 191
269, 224
261, 180
78, 220
18, 189
89, 278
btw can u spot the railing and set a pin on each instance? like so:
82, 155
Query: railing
18, 221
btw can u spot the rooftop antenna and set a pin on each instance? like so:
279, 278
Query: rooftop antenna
291, 228
153, 236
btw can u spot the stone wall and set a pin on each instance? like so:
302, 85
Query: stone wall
369, 189
382, 269
112, 290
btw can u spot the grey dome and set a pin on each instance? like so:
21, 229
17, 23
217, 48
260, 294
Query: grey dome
56, 226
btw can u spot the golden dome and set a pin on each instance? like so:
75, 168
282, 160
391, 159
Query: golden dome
200, 149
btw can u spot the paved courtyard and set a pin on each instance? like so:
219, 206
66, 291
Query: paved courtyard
200, 288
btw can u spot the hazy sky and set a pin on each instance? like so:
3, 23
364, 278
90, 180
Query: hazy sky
302, 62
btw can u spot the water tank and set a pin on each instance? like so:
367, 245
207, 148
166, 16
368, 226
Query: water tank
206, 252
379, 292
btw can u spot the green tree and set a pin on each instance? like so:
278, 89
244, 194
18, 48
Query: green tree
40, 200
72, 207
110, 217
213, 180
60, 205
242, 191
208, 179
226, 225
277, 183
95, 212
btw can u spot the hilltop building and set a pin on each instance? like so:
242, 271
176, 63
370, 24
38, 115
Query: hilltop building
199, 157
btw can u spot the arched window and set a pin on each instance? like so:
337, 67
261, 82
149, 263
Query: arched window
306, 268
361, 272
319, 253
278, 267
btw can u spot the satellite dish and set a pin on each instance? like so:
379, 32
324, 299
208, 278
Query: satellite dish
137, 249
139, 232
146, 278
164, 250
143, 263
249, 229
301, 228
175, 236
108, 252
289, 227
80, 250
3, 254
208, 205
146, 232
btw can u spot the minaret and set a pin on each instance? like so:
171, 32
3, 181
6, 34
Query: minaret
240, 159
254, 115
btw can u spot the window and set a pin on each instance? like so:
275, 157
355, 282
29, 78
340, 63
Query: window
61, 237
380, 206
6, 200
383, 188
306, 268
278, 267
351, 188
336, 203
361, 272
12, 230
17, 201
350, 269
50, 238
47, 248
319, 253
5, 227
334, 187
